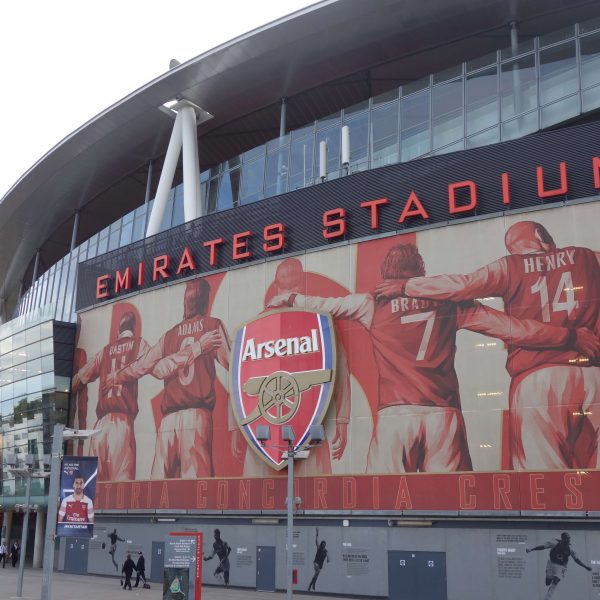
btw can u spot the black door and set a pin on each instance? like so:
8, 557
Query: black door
417, 575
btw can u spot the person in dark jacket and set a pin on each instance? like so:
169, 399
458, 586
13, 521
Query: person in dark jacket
15, 552
127, 570
141, 570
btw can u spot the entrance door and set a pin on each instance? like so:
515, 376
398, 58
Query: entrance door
76, 555
417, 575
265, 568
157, 563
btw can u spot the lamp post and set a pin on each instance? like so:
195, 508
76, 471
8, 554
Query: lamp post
316, 436
27, 473
61, 433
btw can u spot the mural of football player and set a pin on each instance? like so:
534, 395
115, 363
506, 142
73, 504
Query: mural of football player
552, 389
558, 559
184, 359
79, 403
117, 406
290, 277
420, 426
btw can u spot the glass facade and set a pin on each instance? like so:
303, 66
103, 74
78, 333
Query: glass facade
501, 96
35, 368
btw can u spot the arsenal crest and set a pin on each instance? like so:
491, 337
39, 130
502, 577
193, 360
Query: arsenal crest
282, 373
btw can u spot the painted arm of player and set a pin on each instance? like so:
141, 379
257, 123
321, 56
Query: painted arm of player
209, 556
526, 333
141, 366
90, 510
89, 372
579, 561
490, 280
355, 307
342, 405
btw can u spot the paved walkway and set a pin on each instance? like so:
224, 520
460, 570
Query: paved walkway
90, 587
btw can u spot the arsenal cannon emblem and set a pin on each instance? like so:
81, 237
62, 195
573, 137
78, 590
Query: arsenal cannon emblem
282, 373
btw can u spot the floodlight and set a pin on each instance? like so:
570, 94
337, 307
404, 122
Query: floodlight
263, 433
287, 434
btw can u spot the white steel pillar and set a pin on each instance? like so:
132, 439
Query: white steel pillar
166, 179
38, 543
191, 168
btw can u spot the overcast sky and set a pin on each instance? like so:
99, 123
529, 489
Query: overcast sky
64, 61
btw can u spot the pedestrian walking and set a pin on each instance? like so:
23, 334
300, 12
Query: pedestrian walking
127, 570
3, 550
15, 553
141, 570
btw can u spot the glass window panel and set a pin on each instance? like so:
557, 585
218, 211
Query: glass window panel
34, 367
60, 288
358, 107
126, 233
48, 363
213, 193
491, 136
278, 142
558, 72
522, 47
7, 392
386, 97
178, 212
482, 61
46, 330
139, 228
328, 121
518, 86
557, 36
359, 142
560, 111
332, 137
19, 388
236, 161
19, 340
252, 181
590, 98
384, 134
168, 214
47, 346
34, 384
276, 172
590, 60
6, 376
6, 345
460, 145
32, 334
301, 162
303, 132
415, 125
56, 286
520, 126
415, 86
482, 100
70, 291
102, 243
48, 381
447, 108
229, 190
44, 285
204, 196
447, 74
250, 155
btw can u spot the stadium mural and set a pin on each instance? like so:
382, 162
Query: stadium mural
466, 378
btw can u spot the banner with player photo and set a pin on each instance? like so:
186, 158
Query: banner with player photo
467, 375
77, 494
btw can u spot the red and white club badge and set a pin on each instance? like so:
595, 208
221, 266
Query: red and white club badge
282, 373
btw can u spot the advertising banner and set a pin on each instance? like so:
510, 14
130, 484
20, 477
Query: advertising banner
466, 362
77, 493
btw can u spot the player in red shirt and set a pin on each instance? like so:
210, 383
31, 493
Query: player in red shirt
420, 425
117, 407
184, 358
551, 389
76, 508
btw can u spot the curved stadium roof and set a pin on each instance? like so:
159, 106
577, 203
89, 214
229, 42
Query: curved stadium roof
323, 58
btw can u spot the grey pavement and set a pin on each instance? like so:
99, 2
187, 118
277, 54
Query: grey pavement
90, 587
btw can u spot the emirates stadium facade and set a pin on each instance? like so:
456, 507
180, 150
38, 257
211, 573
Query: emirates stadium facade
378, 216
